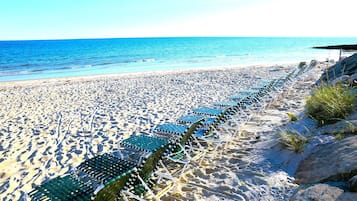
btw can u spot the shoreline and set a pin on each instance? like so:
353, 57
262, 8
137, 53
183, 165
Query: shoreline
144, 73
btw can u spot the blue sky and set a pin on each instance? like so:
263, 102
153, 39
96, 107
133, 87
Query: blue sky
54, 19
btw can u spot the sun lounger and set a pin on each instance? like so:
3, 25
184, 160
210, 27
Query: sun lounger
176, 132
109, 173
151, 150
67, 187
98, 178
238, 107
203, 132
180, 137
206, 134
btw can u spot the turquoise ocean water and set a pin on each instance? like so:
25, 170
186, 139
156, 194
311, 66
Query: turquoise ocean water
24, 60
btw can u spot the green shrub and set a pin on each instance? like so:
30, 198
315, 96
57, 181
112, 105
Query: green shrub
293, 140
291, 116
330, 103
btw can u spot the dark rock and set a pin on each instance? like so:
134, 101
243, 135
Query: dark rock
343, 79
353, 79
347, 66
352, 184
319, 192
347, 196
323, 192
330, 162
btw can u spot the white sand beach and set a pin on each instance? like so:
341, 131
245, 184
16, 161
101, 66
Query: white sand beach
47, 127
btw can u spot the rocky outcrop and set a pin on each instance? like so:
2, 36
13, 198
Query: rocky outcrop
323, 192
331, 162
347, 66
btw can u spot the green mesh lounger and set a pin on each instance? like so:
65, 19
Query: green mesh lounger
263, 90
241, 97
269, 90
205, 121
281, 85
239, 108
236, 106
152, 149
64, 188
209, 111
223, 114
208, 125
249, 91
110, 174
277, 87
226, 116
249, 96
260, 95
263, 85
229, 104
181, 136
266, 87
204, 134
248, 99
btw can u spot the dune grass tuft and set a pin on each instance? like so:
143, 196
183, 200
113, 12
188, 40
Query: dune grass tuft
329, 104
294, 141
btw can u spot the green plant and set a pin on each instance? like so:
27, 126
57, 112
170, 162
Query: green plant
330, 103
293, 140
340, 136
291, 116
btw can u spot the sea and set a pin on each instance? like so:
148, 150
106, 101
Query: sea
40, 59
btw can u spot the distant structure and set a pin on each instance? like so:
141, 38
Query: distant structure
342, 48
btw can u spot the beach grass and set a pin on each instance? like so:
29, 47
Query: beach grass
329, 104
293, 140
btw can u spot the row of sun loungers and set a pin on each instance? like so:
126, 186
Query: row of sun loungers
142, 160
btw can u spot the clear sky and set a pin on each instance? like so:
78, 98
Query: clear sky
55, 19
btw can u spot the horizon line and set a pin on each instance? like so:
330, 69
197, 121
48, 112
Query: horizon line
157, 37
